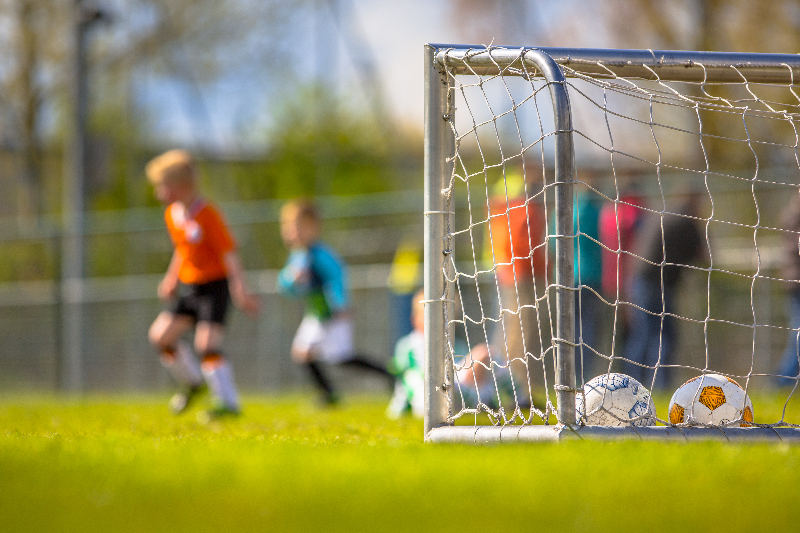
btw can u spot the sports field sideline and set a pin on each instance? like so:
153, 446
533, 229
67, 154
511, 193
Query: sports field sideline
124, 464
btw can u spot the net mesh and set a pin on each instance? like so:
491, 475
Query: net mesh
687, 218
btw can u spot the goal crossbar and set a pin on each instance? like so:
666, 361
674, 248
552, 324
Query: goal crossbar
664, 65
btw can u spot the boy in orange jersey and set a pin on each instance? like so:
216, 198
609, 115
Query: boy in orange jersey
203, 275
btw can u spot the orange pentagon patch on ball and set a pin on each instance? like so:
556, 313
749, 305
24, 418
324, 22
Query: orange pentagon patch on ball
675, 414
747, 417
712, 397
711, 400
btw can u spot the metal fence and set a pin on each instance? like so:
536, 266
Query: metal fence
115, 311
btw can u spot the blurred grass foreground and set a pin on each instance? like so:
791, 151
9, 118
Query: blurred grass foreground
123, 464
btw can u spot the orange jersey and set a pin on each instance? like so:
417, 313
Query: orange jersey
201, 240
524, 228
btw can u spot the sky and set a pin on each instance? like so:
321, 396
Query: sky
388, 34
413, 23
217, 114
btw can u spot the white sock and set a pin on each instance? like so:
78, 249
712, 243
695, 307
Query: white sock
398, 403
418, 405
219, 376
183, 366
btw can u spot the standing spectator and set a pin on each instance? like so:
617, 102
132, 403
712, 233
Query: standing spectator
588, 271
789, 368
668, 244
516, 249
619, 224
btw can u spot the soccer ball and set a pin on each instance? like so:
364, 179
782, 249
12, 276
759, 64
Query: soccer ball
613, 399
711, 399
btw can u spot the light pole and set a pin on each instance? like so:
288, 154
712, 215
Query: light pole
72, 241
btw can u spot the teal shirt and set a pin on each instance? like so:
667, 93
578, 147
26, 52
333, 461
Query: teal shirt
319, 275
588, 258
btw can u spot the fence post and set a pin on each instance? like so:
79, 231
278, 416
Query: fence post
72, 240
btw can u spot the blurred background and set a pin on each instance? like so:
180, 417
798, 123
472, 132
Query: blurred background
277, 98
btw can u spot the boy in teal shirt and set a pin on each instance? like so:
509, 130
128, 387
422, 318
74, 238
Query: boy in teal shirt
315, 272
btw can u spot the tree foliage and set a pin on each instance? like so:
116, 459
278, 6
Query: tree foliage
318, 145
705, 25
192, 40
711, 25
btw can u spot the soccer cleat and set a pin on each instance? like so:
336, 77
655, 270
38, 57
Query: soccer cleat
181, 400
331, 399
216, 413
219, 377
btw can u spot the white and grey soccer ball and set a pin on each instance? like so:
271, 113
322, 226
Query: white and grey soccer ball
615, 400
711, 399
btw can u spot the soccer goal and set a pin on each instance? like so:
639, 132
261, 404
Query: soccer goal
602, 226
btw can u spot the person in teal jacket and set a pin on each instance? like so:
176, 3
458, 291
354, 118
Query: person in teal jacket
588, 275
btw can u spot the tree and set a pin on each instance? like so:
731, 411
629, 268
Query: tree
710, 25
33, 29
192, 40
328, 148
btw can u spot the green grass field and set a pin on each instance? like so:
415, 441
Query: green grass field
124, 464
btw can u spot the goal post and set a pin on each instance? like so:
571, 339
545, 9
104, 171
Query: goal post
438, 218
439, 257
506, 358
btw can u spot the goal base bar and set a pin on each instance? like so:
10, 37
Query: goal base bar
480, 435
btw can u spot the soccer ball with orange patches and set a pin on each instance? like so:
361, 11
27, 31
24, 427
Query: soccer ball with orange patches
711, 399
615, 400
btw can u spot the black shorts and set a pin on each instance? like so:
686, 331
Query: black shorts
206, 302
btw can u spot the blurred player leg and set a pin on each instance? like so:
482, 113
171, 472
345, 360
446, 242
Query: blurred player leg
336, 347
322, 382
185, 369
216, 370
219, 376
177, 357
363, 362
182, 365
305, 349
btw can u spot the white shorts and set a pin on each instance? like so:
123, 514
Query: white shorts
328, 340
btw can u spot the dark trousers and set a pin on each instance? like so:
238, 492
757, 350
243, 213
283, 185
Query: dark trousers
790, 362
652, 336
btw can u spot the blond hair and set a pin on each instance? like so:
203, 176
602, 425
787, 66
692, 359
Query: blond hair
174, 166
300, 209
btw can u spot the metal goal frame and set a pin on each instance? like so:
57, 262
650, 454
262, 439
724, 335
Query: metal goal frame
439, 217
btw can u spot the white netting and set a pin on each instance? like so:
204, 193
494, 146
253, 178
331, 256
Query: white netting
687, 223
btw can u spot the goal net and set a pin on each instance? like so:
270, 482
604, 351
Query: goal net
630, 216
